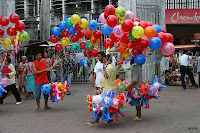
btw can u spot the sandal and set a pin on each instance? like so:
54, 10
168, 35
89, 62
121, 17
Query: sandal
91, 123
136, 118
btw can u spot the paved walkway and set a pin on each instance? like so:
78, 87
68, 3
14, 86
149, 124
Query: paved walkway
176, 111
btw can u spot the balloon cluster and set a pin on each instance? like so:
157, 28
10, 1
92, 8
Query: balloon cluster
56, 90
16, 33
3, 84
84, 63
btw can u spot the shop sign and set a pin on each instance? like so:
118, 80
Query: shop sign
196, 35
182, 16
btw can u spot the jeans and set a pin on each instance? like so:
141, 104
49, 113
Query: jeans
38, 92
57, 74
187, 70
68, 78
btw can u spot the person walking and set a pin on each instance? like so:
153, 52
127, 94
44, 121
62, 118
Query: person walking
48, 65
198, 69
2, 63
21, 73
57, 66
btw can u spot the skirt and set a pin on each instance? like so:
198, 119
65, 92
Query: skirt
21, 81
30, 83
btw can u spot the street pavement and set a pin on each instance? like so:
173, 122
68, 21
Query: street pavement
176, 111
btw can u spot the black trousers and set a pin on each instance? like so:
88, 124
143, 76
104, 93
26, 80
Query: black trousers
49, 77
187, 70
14, 91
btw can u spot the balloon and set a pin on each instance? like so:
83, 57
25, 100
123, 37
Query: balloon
136, 20
83, 23
11, 31
65, 33
122, 47
68, 22
80, 34
20, 26
110, 10
6, 43
75, 47
102, 19
135, 52
93, 40
54, 39
74, 38
94, 52
143, 24
4, 21
139, 59
73, 53
75, 19
127, 25
150, 23
58, 47
46, 89
105, 29
158, 28
163, 37
55, 31
97, 34
62, 25
105, 15
167, 49
112, 20
93, 25
150, 32
108, 43
122, 88
86, 53
118, 32
65, 41
125, 38
151, 90
155, 43
131, 36
1, 32
137, 32
87, 36
80, 50
120, 12
82, 44
163, 30
88, 45
24, 36
77, 27
114, 38
72, 30
82, 62
126, 55
170, 37
14, 18
129, 15
144, 42
88, 31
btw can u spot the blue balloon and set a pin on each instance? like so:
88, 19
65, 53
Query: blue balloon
55, 31
158, 28
46, 89
139, 59
80, 49
62, 25
72, 30
82, 62
106, 30
93, 25
155, 43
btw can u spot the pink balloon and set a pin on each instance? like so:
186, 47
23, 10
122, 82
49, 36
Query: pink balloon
102, 18
118, 32
167, 49
129, 15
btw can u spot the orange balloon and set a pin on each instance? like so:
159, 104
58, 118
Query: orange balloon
150, 32
93, 40
88, 31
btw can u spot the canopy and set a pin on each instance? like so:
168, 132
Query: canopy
193, 46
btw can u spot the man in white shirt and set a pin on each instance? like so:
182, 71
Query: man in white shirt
184, 68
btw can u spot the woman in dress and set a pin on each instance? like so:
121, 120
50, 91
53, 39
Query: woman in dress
21, 72
48, 65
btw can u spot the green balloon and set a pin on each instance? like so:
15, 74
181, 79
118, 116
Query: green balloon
122, 88
68, 22
131, 36
120, 12
87, 45
75, 47
24, 36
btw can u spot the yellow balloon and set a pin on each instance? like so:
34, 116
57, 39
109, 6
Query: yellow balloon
75, 19
65, 41
121, 21
126, 55
83, 23
137, 32
6, 43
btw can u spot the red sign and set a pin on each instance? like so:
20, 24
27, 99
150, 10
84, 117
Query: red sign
196, 35
182, 16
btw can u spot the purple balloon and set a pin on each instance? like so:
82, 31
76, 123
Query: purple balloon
118, 32
102, 19
129, 15
151, 90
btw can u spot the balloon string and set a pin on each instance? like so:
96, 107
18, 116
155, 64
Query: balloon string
131, 67
80, 71
150, 53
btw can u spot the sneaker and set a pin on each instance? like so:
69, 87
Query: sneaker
194, 86
18, 103
137, 118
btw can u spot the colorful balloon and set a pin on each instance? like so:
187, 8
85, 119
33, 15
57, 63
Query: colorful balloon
6, 43
93, 25
125, 38
82, 44
97, 34
88, 31
80, 34
4, 21
143, 24
120, 12
24, 36
137, 32
1, 32
131, 36
14, 18
114, 38
102, 19
150, 32
118, 32
83, 23
94, 52
129, 15
68, 22
110, 10
87, 36
163, 37
62, 25
108, 43
167, 49
75, 47
55, 31
158, 28
11, 31
65, 41
170, 37
77, 27
127, 25
155, 43
72, 30
74, 38
54, 39
140, 59
93, 40
105, 29
65, 33
163, 30
58, 47
112, 20
136, 20
88, 45
20, 26
75, 19
150, 23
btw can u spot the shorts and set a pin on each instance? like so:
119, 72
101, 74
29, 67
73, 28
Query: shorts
106, 91
135, 102
38, 92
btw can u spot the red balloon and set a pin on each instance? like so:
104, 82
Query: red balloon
113, 37
143, 24
106, 15
80, 34
150, 23
136, 20
135, 52
163, 30
65, 33
144, 42
87, 36
108, 43
86, 53
4, 21
11, 31
82, 45
1, 32
112, 21
170, 37
14, 18
97, 34
77, 27
94, 52
74, 38
110, 10
163, 37
54, 39
125, 38
58, 47
127, 25
73, 53
20, 26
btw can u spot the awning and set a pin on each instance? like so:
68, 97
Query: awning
193, 46
54, 44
